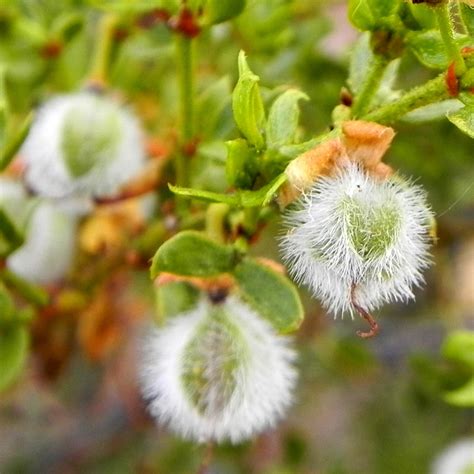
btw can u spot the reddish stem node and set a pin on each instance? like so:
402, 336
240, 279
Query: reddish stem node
452, 82
185, 24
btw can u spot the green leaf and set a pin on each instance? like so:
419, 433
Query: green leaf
293, 151
207, 168
6, 304
423, 14
428, 47
10, 237
383, 8
467, 14
13, 352
464, 120
361, 57
271, 294
361, 15
175, 298
137, 6
283, 118
218, 11
372, 14
68, 25
462, 397
190, 253
432, 112
13, 143
3, 109
459, 346
247, 104
32, 293
245, 198
241, 164
211, 104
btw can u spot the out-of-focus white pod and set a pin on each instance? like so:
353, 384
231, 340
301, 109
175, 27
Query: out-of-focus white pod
457, 458
355, 231
49, 247
82, 144
218, 372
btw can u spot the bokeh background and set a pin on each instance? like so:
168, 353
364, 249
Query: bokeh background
372, 407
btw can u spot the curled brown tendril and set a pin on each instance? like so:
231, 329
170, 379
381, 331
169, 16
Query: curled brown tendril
374, 327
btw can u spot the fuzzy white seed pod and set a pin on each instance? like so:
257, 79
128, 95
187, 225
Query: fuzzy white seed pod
355, 231
49, 247
219, 373
82, 144
457, 458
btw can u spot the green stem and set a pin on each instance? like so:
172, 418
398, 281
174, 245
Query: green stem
428, 93
251, 218
101, 62
185, 63
370, 86
215, 217
446, 28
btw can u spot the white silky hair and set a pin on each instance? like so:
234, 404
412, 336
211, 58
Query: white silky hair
47, 173
319, 250
458, 458
49, 248
262, 384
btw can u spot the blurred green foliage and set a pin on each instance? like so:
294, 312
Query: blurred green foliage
356, 412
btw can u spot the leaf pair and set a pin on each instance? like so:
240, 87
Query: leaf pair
192, 254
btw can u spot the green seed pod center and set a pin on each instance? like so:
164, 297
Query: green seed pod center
211, 362
372, 228
89, 136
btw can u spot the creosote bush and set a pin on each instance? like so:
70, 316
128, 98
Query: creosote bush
140, 152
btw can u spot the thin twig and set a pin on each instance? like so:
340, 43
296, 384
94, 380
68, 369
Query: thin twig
374, 327
206, 459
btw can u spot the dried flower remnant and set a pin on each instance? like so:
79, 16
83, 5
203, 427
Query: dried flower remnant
361, 142
218, 373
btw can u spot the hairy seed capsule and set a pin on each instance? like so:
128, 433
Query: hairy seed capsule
219, 372
355, 231
82, 144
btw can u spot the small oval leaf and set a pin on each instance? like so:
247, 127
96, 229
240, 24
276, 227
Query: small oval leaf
428, 47
271, 294
13, 352
463, 396
218, 11
459, 346
464, 120
190, 253
283, 118
10, 237
247, 104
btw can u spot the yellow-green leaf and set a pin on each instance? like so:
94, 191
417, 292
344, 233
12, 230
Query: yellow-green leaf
464, 120
283, 118
191, 253
247, 104
13, 351
271, 294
